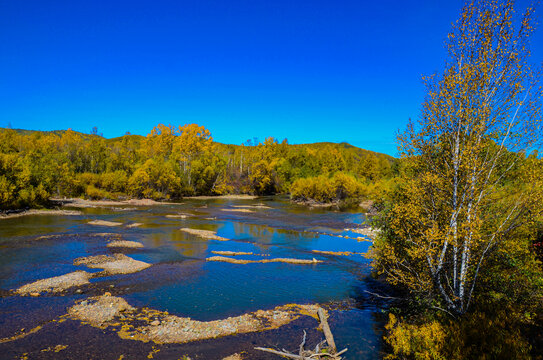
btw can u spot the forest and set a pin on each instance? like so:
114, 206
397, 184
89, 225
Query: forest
176, 161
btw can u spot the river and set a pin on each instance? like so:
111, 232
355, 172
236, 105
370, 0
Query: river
181, 281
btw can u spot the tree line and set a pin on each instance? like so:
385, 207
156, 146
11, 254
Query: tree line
172, 162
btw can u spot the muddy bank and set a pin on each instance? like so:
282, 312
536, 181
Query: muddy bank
112, 265
55, 284
244, 261
369, 207
226, 197
39, 212
206, 234
146, 324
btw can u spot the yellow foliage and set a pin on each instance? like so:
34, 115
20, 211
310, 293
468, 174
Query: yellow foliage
420, 342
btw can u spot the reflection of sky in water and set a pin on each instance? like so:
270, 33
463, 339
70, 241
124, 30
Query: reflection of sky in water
181, 281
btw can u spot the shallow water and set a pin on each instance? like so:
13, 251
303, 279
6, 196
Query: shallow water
181, 281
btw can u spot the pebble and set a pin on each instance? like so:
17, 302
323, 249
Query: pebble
34, 294
155, 323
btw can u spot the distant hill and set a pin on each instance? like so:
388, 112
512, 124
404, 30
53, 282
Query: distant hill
138, 138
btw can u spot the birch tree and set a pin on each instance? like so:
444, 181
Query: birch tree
461, 197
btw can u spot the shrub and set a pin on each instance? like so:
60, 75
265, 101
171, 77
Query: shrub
339, 187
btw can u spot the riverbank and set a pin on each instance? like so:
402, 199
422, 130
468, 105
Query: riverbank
20, 213
85, 203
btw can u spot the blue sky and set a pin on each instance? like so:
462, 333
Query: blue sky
307, 71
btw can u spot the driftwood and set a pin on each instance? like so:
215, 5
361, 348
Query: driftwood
320, 352
327, 332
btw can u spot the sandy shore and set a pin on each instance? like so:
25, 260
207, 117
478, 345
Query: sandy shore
55, 284
227, 197
39, 212
162, 328
82, 203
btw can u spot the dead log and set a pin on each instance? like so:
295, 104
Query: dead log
327, 333
329, 352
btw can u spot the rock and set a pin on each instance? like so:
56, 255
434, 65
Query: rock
100, 309
133, 225
155, 323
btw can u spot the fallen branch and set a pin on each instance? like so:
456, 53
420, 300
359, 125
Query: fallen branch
383, 296
319, 353
289, 355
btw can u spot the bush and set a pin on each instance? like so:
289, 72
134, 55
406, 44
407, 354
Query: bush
323, 189
115, 181
93, 193
421, 342
484, 334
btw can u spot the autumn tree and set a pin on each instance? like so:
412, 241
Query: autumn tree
192, 140
159, 141
460, 200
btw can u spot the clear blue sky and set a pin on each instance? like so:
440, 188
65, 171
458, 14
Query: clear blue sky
304, 70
